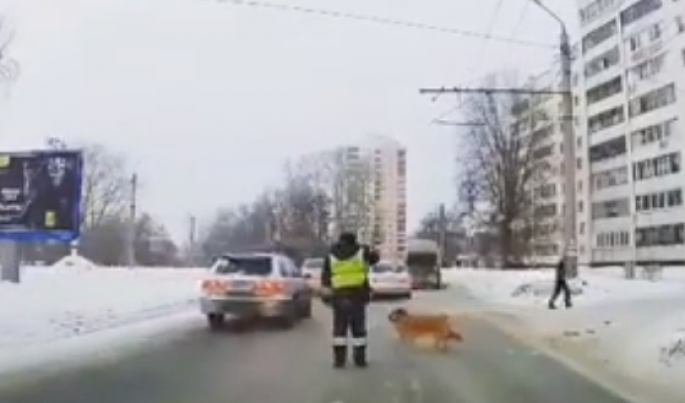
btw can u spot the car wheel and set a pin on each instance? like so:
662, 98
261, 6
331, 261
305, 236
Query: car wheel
216, 321
288, 321
306, 312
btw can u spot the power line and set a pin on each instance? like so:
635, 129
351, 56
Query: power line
521, 18
464, 90
382, 21
493, 19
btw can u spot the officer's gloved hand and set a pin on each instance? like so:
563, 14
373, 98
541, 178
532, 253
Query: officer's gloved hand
325, 295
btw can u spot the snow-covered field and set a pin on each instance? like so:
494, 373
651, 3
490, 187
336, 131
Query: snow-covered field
635, 328
40, 317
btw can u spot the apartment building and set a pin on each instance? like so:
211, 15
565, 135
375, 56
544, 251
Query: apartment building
367, 186
388, 186
537, 118
350, 195
629, 101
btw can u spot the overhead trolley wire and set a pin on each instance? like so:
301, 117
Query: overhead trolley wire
374, 19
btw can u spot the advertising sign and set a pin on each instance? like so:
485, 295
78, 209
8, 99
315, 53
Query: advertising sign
40, 195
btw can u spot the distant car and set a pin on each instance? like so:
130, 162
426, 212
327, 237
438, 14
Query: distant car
311, 269
255, 286
390, 280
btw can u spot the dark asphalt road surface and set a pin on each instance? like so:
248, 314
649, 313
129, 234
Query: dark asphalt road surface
294, 366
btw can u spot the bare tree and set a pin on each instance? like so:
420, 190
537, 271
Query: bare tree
291, 219
430, 226
153, 244
9, 67
106, 185
506, 164
105, 243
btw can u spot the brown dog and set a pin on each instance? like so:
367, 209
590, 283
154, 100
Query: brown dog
412, 327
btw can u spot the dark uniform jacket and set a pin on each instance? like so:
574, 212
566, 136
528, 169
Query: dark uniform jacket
343, 251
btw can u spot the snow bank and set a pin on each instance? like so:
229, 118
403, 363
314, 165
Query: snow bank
54, 304
533, 287
635, 328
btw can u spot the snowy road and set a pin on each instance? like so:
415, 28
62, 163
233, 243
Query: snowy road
294, 366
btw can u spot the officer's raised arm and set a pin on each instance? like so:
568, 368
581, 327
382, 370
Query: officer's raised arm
371, 256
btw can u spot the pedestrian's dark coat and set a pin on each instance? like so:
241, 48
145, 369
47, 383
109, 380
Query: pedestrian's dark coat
560, 273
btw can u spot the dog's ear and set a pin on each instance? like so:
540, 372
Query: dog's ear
396, 314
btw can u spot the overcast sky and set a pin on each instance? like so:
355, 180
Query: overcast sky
208, 98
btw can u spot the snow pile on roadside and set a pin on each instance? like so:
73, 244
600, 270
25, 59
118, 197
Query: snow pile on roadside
635, 328
74, 262
533, 287
57, 303
641, 338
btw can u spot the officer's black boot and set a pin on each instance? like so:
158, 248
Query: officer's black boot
339, 356
359, 354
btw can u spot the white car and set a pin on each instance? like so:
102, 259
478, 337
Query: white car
255, 285
390, 280
311, 269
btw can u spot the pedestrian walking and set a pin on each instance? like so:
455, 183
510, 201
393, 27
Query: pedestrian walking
345, 285
560, 286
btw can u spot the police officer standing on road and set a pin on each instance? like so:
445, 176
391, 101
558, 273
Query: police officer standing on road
345, 283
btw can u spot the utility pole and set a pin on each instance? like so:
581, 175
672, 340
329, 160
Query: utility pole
191, 240
442, 232
131, 241
569, 251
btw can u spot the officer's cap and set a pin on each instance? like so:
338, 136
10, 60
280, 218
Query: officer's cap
347, 237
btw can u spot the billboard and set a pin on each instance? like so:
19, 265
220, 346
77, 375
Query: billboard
40, 195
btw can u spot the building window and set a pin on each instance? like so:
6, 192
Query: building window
595, 10
545, 191
659, 201
546, 210
604, 90
543, 152
661, 235
639, 10
599, 35
609, 149
546, 250
607, 240
610, 178
611, 208
652, 100
647, 69
654, 133
606, 119
658, 166
602, 62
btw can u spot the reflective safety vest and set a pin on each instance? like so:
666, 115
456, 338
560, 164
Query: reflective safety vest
349, 272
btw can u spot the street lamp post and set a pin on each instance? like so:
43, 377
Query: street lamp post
569, 211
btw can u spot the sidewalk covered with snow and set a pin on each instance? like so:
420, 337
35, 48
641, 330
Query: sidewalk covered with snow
53, 305
632, 327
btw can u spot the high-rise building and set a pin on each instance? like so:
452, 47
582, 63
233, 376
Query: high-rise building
537, 119
367, 187
388, 186
629, 105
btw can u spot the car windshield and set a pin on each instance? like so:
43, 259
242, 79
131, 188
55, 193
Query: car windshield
387, 268
249, 265
313, 264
